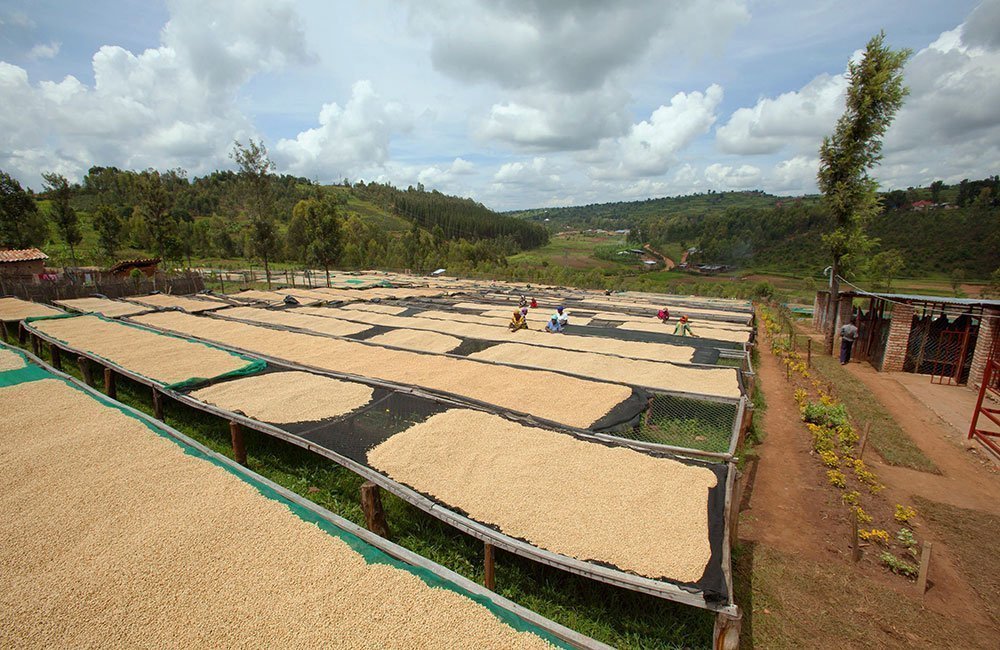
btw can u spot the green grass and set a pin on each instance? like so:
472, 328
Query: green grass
615, 616
887, 437
575, 251
689, 423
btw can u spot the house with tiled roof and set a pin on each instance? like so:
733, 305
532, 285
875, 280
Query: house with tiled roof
22, 262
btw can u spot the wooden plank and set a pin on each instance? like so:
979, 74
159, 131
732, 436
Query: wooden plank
864, 439
371, 504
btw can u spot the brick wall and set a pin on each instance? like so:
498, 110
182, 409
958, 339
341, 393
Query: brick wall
899, 337
989, 331
845, 310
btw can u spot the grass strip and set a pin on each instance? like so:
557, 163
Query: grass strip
887, 437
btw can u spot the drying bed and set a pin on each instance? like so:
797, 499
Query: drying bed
10, 360
571, 401
206, 554
295, 319
287, 397
417, 340
602, 504
12, 309
632, 349
165, 359
377, 308
713, 382
703, 329
102, 306
164, 300
425, 449
267, 297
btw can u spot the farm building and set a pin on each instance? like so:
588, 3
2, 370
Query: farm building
23, 262
125, 267
947, 338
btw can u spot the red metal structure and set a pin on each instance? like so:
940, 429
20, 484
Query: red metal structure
988, 410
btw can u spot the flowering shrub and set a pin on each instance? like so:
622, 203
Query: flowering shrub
836, 478
875, 535
904, 513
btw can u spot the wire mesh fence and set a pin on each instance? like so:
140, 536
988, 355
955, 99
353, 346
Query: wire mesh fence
698, 424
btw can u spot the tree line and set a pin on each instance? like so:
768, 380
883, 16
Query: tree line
258, 215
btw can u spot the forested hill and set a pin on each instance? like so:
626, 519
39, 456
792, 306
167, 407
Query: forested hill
116, 213
614, 216
939, 229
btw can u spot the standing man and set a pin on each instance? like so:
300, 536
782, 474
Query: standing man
848, 335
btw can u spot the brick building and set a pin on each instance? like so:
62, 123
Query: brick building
948, 338
22, 262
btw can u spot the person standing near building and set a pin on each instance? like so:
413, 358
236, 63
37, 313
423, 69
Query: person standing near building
848, 335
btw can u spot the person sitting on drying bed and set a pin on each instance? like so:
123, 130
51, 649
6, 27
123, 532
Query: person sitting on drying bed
518, 321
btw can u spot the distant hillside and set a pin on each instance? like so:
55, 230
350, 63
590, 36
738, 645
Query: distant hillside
939, 229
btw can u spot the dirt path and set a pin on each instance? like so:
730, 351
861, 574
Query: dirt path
964, 480
789, 508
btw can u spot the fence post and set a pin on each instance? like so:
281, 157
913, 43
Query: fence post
864, 439
809, 352
84, 365
925, 563
109, 383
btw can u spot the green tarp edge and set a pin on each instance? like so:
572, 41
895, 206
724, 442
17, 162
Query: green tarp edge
371, 554
252, 366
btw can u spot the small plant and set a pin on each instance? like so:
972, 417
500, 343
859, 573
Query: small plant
829, 458
836, 478
906, 538
863, 517
847, 436
904, 513
825, 414
901, 567
851, 498
875, 535
800, 397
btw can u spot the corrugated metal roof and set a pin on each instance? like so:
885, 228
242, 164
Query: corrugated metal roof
22, 255
947, 300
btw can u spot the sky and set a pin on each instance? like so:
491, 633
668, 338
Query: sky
515, 103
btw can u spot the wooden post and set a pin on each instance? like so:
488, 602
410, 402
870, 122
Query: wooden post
864, 439
157, 404
489, 567
84, 364
3, 329
36, 346
809, 352
726, 635
56, 356
856, 540
239, 444
22, 334
925, 562
371, 504
734, 510
109, 383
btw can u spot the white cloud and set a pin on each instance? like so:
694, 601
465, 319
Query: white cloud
174, 105
563, 66
44, 50
443, 178
651, 147
794, 176
792, 119
348, 140
731, 177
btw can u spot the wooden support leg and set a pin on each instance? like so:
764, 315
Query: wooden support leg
864, 439
36, 346
157, 404
371, 504
489, 567
56, 356
3, 330
239, 444
22, 334
109, 383
734, 510
84, 364
726, 635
